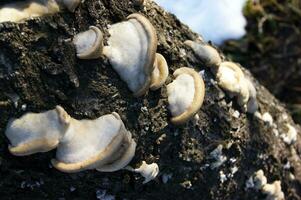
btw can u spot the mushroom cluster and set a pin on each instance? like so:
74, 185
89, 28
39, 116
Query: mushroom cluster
185, 94
131, 51
229, 76
103, 144
16, 12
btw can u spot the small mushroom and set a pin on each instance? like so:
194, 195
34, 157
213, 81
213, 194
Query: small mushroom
208, 55
35, 132
89, 44
16, 12
91, 144
71, 5
148, 171
229, 77
160, 73
185, 94
131, 51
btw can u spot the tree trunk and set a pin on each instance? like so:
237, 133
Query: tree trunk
39, 69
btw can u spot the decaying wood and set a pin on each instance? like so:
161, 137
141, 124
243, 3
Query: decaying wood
39, 69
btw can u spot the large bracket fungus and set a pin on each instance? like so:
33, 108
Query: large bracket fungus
89, 144
103, 144
185, 94
35, 132
16, 12
131, 51
89, 44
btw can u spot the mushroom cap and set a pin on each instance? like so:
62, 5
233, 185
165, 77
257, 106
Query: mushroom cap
229, 76
131, 51
160, 73
71, 5
187, 92
35, 132
205, 52
89, 44
88, 144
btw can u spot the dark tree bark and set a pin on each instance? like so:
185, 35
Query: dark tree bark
40, 67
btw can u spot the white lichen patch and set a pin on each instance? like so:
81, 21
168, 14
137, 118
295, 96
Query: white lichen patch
217, 155
273, 191
290, 136
259, 182
166, 178
267, 118
222, 177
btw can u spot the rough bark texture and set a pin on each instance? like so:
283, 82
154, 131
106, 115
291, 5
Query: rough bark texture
38, 65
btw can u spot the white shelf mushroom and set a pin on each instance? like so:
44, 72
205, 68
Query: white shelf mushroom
35, 132
16, 12
185, 94
229, 76
131, 51
103, 144
89, 44
91, 144
148, 171
205, 52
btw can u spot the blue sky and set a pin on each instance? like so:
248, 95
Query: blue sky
215, 20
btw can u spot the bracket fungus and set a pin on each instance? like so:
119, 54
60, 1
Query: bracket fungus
16, 12
185, 95
205, 52
89, 44
91, 144
35, 132
131, 51
231, 78
103, 144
